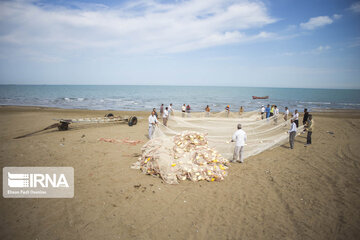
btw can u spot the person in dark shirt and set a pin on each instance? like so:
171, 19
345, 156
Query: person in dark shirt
306, 116
309, 128
162, 109
155, 113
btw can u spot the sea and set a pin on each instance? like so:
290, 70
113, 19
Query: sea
140, 98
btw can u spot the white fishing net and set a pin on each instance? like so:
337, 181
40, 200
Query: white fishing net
197, 146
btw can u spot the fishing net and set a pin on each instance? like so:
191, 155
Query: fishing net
197, 146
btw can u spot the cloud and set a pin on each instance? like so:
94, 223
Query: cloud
337, 16
135, 27
355, 7
323, 48
316, 51
320, 21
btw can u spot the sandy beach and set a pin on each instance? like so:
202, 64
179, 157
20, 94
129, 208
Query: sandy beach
306, 193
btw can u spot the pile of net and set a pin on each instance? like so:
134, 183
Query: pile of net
186, 155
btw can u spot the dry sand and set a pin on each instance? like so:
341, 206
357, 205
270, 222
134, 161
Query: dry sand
305, 193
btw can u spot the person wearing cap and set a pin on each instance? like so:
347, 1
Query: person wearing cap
239, 138
227, 109
152, 122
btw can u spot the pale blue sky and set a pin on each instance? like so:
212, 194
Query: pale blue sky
269, 43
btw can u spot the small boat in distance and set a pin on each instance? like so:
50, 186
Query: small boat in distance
255, 97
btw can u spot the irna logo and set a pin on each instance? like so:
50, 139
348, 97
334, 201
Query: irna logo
34, 180
38, 182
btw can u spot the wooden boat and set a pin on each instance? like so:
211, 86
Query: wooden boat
255, 97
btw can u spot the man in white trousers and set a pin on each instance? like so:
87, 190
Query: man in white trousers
152, 122
239, 138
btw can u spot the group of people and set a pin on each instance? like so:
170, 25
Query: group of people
307, 121
271, 111
165, 113
240, 136
308, 124
185, 109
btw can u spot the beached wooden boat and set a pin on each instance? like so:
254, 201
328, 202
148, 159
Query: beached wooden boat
255, 97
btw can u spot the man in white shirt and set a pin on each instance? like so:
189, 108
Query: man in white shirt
165, 116
286, 114
152, 122
183, 109
171, 111
239, 138
292, 133
262, 112
296, 118
276, 114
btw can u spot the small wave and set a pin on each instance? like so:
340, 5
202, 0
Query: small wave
71, 99
349, 104
320, 103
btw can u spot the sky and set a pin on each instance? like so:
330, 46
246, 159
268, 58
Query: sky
268, 43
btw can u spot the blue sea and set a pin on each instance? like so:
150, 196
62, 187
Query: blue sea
131, 98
